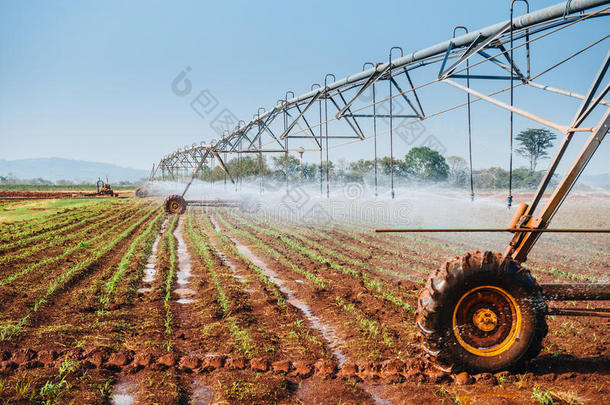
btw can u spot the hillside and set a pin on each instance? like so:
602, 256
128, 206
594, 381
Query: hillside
78, 171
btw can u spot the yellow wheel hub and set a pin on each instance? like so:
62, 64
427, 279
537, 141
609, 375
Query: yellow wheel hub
175, 206
487, 321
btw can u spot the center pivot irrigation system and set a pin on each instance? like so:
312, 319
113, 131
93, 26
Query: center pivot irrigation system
481, 311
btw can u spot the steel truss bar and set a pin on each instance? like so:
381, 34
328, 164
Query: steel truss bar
478, 44
508, 107
261, 128
509, 59
486, 77
563, 92
421, 113
301, 114
494, 60
404, 96
223, 166
309, 127
329, 137
356, 128
520, 248
378, 74
359, 132
382, 116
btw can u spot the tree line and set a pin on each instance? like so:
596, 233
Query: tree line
420, 165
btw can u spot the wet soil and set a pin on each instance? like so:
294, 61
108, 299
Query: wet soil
346, 342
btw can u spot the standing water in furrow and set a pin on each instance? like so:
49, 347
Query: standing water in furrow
149, 269
184, 293
325, 329
316, 323
124, 389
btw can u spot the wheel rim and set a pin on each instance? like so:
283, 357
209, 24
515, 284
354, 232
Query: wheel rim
175, 206
486, 321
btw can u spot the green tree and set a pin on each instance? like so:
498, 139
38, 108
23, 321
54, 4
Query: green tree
361, 166
397, 166
426, 164
534, 144
286, 165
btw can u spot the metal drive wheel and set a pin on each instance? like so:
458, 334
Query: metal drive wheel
175, 204
480, 313
141, 192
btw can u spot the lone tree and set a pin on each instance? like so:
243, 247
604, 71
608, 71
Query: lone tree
534, 144
426, 164
458, 170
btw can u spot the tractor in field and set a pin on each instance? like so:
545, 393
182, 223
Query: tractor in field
102, 188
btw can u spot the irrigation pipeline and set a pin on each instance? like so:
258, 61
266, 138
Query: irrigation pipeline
448, 108
606, 9
528, 230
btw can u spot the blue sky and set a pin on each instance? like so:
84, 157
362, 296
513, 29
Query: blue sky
92, 80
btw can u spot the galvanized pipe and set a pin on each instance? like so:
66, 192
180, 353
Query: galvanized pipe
524, 21
528, 230
597, 312
576, 292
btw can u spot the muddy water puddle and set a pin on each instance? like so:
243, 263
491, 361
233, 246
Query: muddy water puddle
183, 276
124, 392
201, 394
149, 270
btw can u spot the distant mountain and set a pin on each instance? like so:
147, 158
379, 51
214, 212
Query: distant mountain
78, 171
597, 180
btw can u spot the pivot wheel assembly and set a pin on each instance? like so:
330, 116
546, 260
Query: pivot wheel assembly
175, 204
481, 313
141, 192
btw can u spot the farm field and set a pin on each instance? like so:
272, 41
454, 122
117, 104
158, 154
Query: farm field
113, 301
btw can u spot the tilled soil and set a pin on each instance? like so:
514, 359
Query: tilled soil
313, 316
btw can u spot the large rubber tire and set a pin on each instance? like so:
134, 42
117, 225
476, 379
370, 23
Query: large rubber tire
481, 314
175, 204
141, 192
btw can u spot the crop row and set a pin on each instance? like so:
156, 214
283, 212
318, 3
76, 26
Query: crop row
61, 236
49, 232
362, 328
377, 286
10, 329
144, 241
319, 281
24, 228
285, 329
170, 274
83, 245
222, 280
